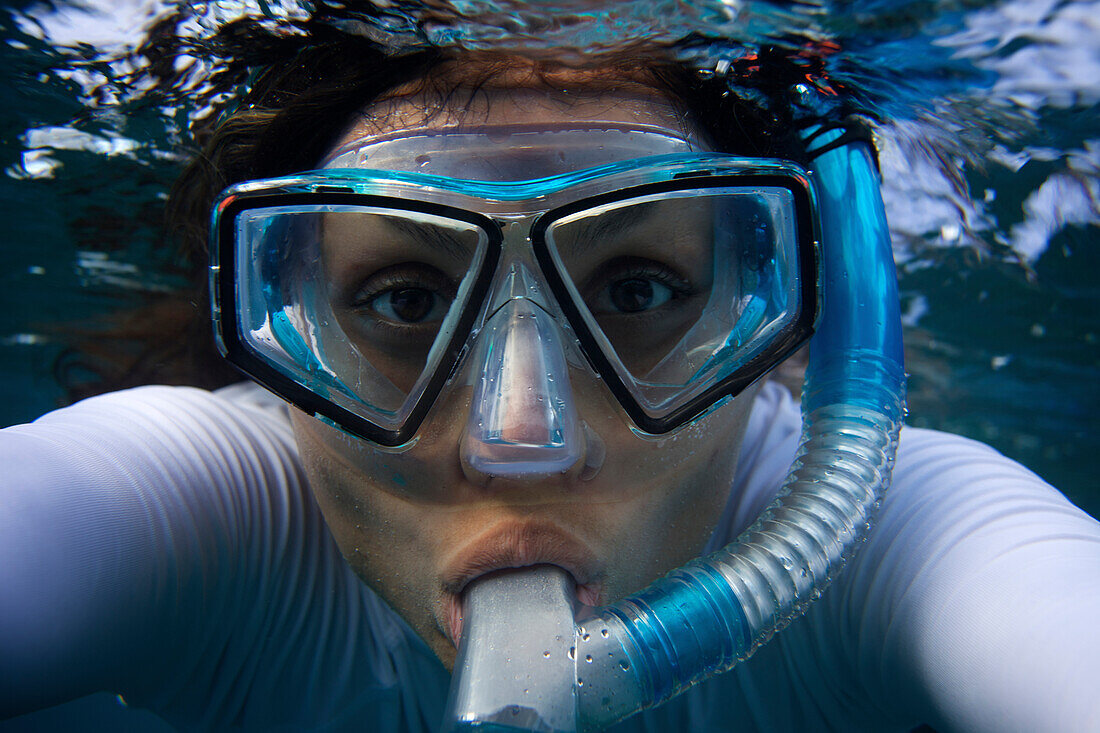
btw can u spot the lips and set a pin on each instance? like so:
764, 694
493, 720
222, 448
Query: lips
517, 544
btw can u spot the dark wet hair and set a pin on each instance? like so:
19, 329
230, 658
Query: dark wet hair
295, 95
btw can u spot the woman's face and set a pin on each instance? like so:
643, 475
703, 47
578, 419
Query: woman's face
420, 524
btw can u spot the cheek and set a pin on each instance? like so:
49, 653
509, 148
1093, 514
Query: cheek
676, 524
429, 473
679, 488
388, 540
690, 467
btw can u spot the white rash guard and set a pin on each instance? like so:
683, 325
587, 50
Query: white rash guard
161, 543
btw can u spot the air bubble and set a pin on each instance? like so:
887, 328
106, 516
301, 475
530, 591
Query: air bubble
588, 658
572, 652
624, 665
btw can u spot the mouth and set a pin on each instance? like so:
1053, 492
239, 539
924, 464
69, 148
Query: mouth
517, 544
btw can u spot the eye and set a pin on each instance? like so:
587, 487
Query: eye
409, 305
406, 295
633, 285
637, 294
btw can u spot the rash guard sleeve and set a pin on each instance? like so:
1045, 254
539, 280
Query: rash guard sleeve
159, 543
978, 601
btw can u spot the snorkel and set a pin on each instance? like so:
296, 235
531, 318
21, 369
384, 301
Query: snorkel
526, 664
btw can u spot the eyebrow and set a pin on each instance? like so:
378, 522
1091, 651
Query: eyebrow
618, 221
432, 236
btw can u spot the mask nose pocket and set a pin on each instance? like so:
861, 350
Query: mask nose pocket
522, 420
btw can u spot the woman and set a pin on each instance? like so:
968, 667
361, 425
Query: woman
228, 562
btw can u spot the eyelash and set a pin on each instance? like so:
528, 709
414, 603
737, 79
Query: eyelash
621, 269
395, 278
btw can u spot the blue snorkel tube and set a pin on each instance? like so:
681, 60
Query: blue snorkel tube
705, 617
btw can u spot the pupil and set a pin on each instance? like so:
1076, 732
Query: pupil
631, 296
411, 304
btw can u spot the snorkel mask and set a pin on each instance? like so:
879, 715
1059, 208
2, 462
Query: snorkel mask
677, 278
709, 274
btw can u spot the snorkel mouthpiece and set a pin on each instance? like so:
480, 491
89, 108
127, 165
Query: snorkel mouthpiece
506, 679
703, 618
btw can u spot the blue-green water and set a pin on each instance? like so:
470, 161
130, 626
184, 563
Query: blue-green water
990, 169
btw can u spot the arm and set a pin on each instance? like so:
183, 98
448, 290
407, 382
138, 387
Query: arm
973, 606
162, 543
975, 603
118, 516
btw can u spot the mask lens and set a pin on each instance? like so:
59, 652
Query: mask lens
357, 304
682, 289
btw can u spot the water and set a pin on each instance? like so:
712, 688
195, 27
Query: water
990, 162
990, 157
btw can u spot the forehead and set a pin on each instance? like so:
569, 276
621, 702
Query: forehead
520, 95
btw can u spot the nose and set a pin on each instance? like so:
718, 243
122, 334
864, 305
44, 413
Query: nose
523, 422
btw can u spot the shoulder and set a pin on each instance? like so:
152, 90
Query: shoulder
939, 475
243, 404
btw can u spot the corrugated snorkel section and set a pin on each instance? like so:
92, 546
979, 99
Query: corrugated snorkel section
705, 617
